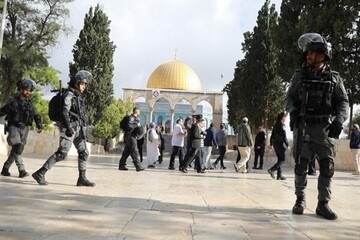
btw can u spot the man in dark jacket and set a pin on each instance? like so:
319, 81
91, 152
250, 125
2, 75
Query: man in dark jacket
132, 134
160, 132
209, 142
195, 152
20, 113
355, 148
245, 142
259, 148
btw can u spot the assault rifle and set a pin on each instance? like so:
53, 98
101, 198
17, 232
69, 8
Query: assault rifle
6, 126
57, 90
300, 135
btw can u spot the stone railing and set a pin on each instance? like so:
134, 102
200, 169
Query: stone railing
45, 143
343, 159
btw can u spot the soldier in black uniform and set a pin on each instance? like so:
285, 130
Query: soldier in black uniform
131, 135
318, 106
20, 113
71, 130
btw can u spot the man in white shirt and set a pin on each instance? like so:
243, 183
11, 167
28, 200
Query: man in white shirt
177, 142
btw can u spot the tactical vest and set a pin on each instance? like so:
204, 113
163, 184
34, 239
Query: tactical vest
22, 113
77, 110
318, 94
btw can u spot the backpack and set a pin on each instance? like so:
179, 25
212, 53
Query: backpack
124, 123
56, 105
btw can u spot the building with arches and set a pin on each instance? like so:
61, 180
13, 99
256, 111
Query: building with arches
174, 90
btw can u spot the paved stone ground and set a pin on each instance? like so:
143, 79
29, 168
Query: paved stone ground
163, 204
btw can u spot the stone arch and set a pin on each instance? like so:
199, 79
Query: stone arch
175, 96
207, 111
141, 103
162, 117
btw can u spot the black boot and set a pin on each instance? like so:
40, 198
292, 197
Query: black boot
123, 168
5, 172
39, 176
280, 176
271, 172
23, 174
323, 210
214, 165
83, 181
299, 206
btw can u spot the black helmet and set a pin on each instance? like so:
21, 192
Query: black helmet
26, 83
315, 42
81, 76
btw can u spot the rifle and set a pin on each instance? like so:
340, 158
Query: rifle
6, 127
300, 136
58, 90
82, 120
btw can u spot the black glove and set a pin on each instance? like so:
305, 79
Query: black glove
294, 119
69, 132
334, 129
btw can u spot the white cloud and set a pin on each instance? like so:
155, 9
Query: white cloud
207, 34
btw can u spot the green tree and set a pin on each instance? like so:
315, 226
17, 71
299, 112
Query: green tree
42, 106
31, 27
256, 91
357, 117
94, 51
234, 103
108, 126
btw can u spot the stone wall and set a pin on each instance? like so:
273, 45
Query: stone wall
343, 159
45, 143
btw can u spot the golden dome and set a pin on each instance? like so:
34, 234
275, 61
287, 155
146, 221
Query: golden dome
174, 75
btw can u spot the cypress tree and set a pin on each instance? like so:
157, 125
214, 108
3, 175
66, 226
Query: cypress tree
256, 91
93, 51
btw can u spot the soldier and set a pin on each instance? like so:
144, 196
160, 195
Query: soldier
20, 113
318, 106
132, 133
71, 130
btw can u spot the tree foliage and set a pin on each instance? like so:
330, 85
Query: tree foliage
42, 106
31, 27
256, 91
108, 126
93, 51
337, 21
357, 118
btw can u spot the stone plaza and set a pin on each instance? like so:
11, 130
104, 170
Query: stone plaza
163, 204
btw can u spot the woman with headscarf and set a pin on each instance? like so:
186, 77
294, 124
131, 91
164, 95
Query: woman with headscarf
152, 145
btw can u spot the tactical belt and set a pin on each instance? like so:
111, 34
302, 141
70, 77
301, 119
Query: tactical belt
315, 120
18, 125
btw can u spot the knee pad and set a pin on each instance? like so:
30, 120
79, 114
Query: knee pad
60, 156
84, 155
326, 167
301, 167
17, 149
